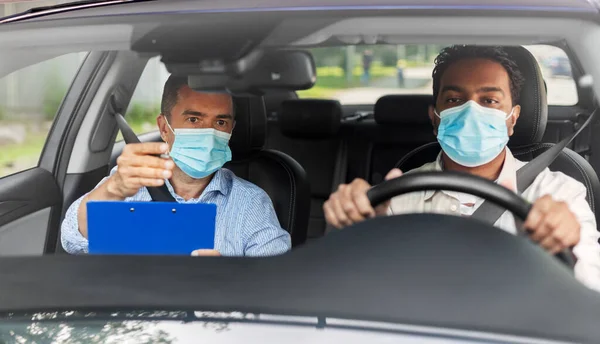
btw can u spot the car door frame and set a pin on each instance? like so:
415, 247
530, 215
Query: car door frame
31, 201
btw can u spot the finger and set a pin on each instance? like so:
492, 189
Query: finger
206, 253
136, 183
146, 161
147, 173
550, 244
340, 214
393, 173
330, 215
558, 225
357, 192
146, 148
349, 206
533, 223
536, 217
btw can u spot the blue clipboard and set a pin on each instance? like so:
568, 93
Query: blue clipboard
150, 227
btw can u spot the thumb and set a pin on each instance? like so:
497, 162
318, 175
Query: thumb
394, 173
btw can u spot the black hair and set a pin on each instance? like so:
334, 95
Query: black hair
170, 93
455, 53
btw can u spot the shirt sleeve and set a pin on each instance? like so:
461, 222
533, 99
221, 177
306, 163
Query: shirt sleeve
587, 251
72, 240
264, 236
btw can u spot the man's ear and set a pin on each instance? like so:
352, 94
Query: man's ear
512, 120
161, 122
435, 121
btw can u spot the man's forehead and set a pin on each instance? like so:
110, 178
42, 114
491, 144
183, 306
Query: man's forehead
210, 99
476, 73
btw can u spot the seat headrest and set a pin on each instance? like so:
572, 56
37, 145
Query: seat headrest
403, 109
249, 133
530, 128
273, 101
531, 124
310, 118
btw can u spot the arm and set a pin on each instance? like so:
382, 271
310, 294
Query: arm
103, 192
264, 236
137, 168
72, 239
562, 218
587, 251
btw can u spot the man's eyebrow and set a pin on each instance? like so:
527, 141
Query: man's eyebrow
193, 113
490, 89
225, 116
452, 88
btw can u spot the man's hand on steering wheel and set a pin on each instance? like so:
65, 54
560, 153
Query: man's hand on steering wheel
549, 223
552, 225
350, 204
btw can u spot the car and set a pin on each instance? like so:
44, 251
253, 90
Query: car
559, 66
70, 71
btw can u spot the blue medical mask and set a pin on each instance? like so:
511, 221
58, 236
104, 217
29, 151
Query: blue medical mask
200, 152
472, 135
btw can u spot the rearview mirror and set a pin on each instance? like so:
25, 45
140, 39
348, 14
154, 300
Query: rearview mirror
271, 70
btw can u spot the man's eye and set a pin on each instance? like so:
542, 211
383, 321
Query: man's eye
453, 100
193, 119
490, 101
221, 123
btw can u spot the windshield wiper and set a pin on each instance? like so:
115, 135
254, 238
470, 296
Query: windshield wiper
75, 5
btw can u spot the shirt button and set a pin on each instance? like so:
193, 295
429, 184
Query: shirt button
453, 207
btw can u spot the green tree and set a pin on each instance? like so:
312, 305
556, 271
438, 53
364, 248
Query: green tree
141, 113
54, 92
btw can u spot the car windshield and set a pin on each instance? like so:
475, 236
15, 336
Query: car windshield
260, 140
363, 74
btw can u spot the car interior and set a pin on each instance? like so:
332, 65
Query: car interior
300, 150
464, 274
297, 149
288, 146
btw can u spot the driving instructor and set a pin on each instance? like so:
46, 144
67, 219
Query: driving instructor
196, 127
476, 93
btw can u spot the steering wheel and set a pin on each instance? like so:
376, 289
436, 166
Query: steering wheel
458, 182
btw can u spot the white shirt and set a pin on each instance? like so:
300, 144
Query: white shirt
556, 184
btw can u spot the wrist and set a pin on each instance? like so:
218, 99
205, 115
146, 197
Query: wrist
112, 189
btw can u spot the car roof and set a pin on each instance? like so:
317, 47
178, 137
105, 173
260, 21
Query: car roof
178, 6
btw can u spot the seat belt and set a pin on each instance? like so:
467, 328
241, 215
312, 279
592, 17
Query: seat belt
490, 212
158, 194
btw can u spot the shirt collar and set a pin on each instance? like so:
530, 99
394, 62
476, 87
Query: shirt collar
219, 183
507, 177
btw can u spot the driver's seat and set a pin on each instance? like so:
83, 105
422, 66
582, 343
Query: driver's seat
525, 143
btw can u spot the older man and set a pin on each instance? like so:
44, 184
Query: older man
196, 127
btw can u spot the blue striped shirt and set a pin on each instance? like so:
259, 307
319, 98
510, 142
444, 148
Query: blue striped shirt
246, 223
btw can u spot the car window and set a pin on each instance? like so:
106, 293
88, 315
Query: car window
145, 103
556, 69
406, 69
29, 100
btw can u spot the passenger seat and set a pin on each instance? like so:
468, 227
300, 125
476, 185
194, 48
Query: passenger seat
280, 176
401, 125
308, 130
